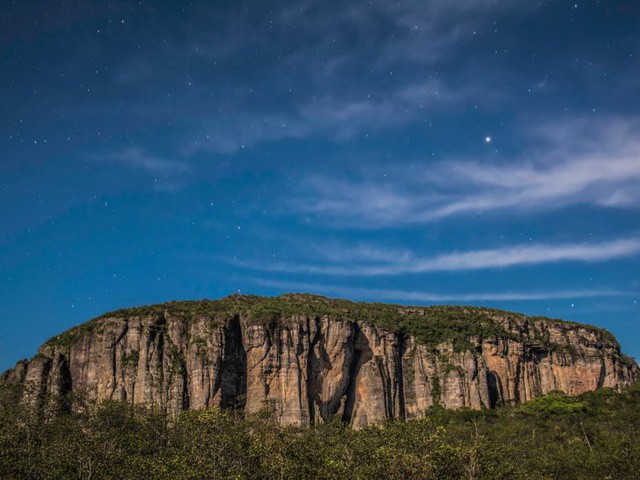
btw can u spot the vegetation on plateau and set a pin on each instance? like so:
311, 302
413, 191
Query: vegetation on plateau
428, 325
596, 435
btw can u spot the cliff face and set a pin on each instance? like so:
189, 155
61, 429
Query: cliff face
306, 358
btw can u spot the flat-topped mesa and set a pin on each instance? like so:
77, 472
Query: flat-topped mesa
307, 358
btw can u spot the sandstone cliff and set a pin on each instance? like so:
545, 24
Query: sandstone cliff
306, 358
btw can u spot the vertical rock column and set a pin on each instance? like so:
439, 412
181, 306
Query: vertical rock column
277, 357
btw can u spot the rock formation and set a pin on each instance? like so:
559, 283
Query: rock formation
306, 358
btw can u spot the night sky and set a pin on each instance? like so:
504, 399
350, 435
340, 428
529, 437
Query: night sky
447, 151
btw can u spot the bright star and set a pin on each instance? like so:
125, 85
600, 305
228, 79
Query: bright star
487, 139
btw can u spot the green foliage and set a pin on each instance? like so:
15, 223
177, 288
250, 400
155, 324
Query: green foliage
176, 359
201, 347
554, 437
432, 326
71, 336
130, 359
436, 390
553, 404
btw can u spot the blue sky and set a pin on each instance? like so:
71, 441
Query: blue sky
463, 152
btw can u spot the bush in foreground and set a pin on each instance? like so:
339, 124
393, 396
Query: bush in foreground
553, 437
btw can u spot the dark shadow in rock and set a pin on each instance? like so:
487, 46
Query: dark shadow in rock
494, 386
362, 354
233, 371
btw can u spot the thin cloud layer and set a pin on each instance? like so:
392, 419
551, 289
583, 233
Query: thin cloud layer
422, 296
139, 158
385, 46
337, 117
583, 165
371, 261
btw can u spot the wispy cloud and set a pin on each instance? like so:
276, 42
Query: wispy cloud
371, 261
575, 163
337, 117
422, 296
139, 158
379, 43
430, 29
420, 32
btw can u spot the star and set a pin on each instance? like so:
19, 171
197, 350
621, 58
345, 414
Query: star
487, 139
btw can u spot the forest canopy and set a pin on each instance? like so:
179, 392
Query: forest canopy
595, 435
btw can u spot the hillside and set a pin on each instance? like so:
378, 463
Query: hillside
307, 359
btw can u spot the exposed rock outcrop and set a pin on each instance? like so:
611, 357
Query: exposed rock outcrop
307, 358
